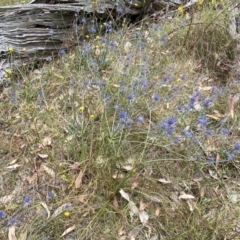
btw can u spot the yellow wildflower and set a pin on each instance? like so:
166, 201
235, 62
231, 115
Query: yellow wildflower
81, 108
66, 213
97, 37
180, 10
92, 116
8, 70
94, 4
10, 49
179, 80
87, 36
135, 4
200, 2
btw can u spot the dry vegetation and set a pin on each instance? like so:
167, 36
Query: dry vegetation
131, 135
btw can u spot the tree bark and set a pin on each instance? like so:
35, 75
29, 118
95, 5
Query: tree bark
39, 30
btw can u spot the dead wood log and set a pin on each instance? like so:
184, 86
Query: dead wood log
38, 30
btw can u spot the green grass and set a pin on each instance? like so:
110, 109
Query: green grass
106, 117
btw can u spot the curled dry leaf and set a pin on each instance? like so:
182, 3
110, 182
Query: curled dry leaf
6, 199
134, 185
156, 199
43, 156
232, 101
216, 116
11, 233
157, 212
47, 141
197, 106
143, 216
49, 171
164, 181
207, 88
13, 161
186, 196
134, 232
213, 174
190, 205
128, 167
46, 208
115, 203
78, 181
13, 167
124, 195
75, 165
133, 208
127, 46
67, 231
143, 206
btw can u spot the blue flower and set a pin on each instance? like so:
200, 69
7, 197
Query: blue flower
145, 84
140, 119
208, 102
209, 132
176, 140
163, 38
130, 96
2, 214
62, 52
83, 20
187, 133
237, 147
26, 200
75, 25
51, 31
12, 221
170, 130
122, 116
86, 48
225, 131
164, 125
86, 82
92, 29
120, 9
111, 44
140, 45
230, 155
50, 195
193, 99
103, 40
165, 79
183, 77
215, 90
212, 159
202, 121
13, 96
155, 97
171, 121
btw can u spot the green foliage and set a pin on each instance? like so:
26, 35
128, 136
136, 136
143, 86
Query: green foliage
139, 110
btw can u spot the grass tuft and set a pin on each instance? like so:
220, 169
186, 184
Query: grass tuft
132, 134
